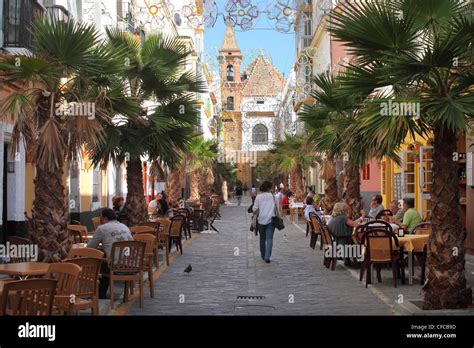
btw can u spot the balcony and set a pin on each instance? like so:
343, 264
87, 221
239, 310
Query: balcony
18, 18
58, 12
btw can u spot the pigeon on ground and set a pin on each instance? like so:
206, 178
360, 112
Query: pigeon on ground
188, 269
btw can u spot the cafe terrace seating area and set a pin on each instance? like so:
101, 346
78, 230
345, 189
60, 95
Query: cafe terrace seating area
376, 245
30, 288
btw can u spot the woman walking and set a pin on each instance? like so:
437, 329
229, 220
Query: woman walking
267, 208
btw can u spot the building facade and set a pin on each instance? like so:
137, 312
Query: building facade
251, 98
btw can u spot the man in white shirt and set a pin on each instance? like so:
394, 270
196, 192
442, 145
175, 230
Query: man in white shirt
109, 232
266, 204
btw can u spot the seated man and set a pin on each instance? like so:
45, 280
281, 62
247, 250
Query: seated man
109, 232
411, 217
154, 205
311, 206
396, 210
376, 206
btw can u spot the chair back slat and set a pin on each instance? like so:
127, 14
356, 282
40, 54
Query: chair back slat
379, 245
87, 282
423, 228
176, 226
66, 275
315, 224
326, 236
142, 229
127, 256
153, 224
149, 239
75, 253
31, 297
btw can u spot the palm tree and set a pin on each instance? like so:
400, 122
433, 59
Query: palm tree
165, 124
200, 158
292, 156
331, 121
69, 64
418, 52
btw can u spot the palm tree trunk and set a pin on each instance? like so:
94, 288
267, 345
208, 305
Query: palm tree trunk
297, 176
205, 183
353, 197
50, 209
136, 203
175, 183
445, 285
331, 195
194, 183
50, 215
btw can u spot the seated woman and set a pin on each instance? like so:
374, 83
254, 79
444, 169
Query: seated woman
341, 226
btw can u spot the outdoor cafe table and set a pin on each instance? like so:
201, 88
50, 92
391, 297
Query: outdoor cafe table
23, 270
296, 207
410, 243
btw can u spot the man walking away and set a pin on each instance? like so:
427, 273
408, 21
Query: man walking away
238, 193
253, 193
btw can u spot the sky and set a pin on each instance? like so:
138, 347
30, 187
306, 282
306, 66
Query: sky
279, 46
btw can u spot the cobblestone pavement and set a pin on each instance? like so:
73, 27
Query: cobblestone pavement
228, 265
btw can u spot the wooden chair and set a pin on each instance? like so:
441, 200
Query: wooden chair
77, 233
211, 219
216, 203
163, 241
142, 229
153, 224
316, 227
76, 253
187, 224
87, 295
30, 297
176, 232
96, 222
13, 240
67, 275
126, 265
379, 250
150, 241
328, 242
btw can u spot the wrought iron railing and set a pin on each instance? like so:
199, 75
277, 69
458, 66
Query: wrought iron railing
18, 19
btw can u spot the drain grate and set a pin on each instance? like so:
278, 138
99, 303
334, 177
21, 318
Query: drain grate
251, 298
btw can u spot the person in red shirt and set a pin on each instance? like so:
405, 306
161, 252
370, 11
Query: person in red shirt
286, 200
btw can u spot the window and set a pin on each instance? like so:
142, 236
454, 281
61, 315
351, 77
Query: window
230, 73
96, 185
366, 172
230, 103
408, 173
260, 135
18, 18
397, 186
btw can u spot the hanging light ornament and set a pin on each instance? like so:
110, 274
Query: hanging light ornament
151, 15
241, 13
282, 13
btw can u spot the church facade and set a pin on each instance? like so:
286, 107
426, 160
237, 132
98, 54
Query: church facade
251, 97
